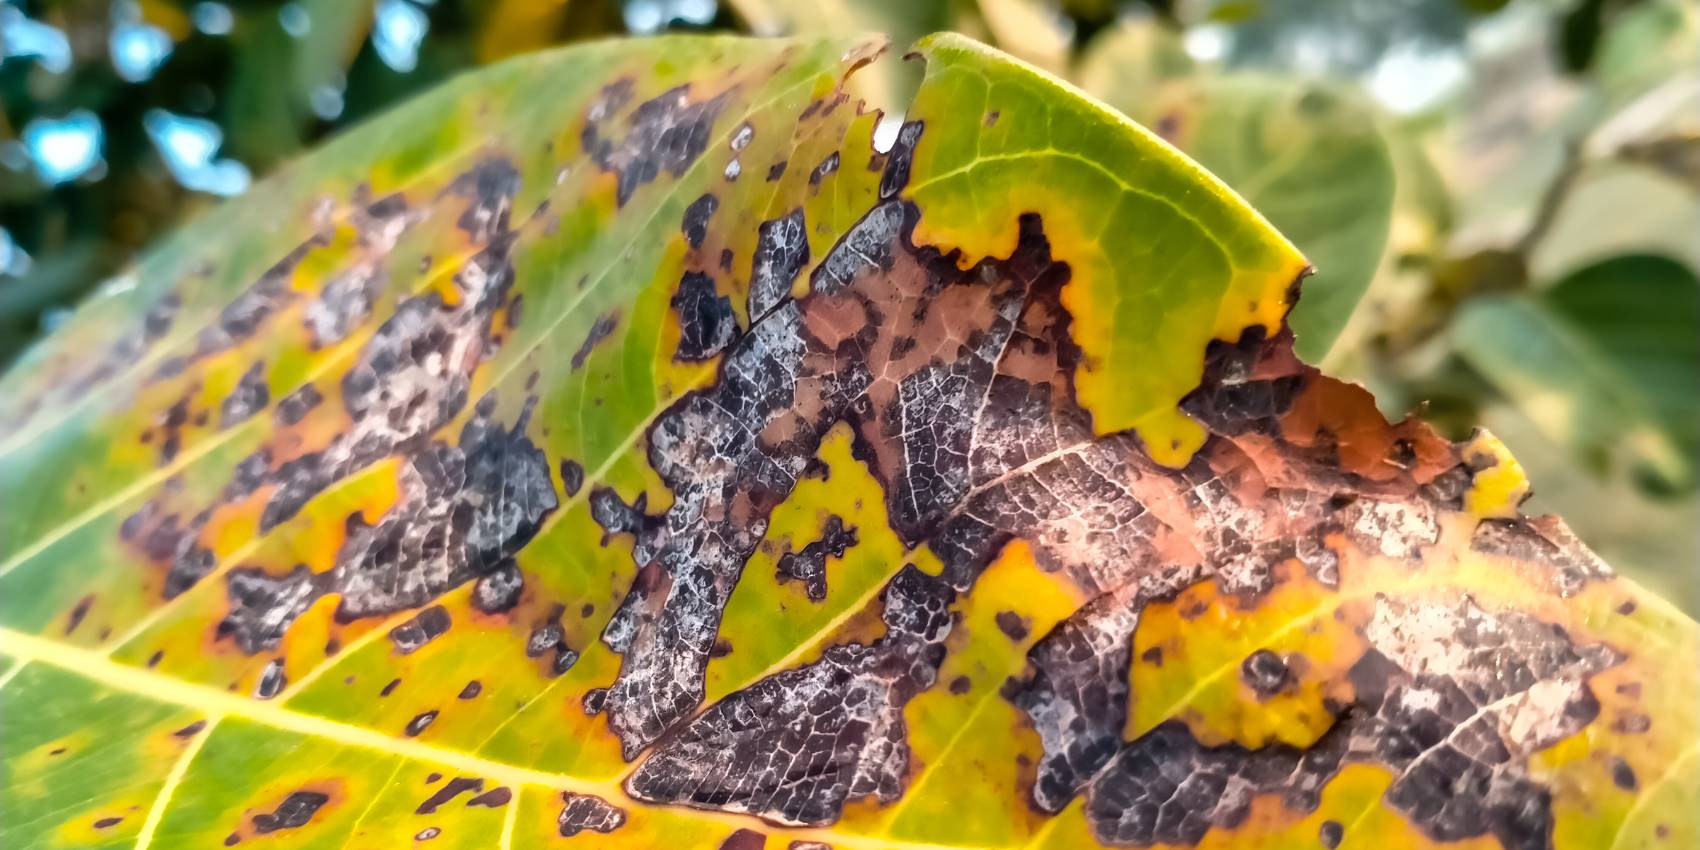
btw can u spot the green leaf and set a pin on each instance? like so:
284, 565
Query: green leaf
1604, 359
613, 448
1282, 144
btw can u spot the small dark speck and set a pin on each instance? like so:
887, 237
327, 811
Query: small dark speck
1154, 655
1633, 723
1331, 833
587, 610
472, 689
191, 730
232, 840
991, 118
419, 722
107, 823
154, 659
960, 685
433, 778
389, 688
1627, 608
722, 648
56, 751
777, 171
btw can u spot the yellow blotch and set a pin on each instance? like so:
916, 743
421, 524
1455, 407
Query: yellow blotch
971, 748
770, 624
1501, 485
1188, 654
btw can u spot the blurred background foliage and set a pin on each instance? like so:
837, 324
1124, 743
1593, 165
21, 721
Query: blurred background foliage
1502, 196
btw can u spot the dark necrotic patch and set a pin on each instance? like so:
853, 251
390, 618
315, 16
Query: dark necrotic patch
706, 321
842, 716
249, 397
107, 823
426, 626
472, 690
1449, 724
899, 160
581, 812
666, 133
298, 404
809, 565
782, 250
695, 225
598, 332
294, 812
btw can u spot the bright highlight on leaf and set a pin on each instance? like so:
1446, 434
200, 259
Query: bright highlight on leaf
613, 449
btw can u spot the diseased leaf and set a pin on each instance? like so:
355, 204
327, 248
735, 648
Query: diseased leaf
611, 448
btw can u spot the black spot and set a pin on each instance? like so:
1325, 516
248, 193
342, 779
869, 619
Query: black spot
826, 168
419, 723
961, 685
706, 321
572, 476
1152, 656
425, 627
1265, 673
191, 730
695, 226
599, 331
78, 612
294, 812
1330, 834
1622, 775
472, 689
107, 823
1013, 625
809, 565
544, 638
493, 798
389, 688
745, 839
499, 590
452, 789
776, 171
271, 681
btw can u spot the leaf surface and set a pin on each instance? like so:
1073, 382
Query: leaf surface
612, 448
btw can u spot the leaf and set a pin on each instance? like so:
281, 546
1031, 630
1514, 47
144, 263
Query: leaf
610, 448
1604, 359
1283, 144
